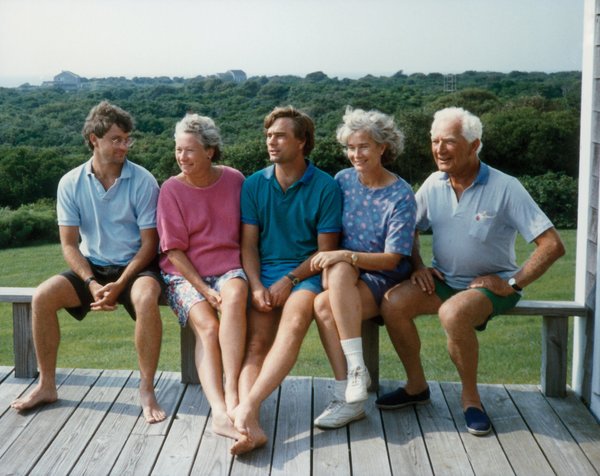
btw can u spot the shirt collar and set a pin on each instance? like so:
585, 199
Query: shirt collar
269, 172
125, 171
482, 176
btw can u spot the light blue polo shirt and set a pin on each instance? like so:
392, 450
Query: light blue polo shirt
476, 235
110, 220
290, 222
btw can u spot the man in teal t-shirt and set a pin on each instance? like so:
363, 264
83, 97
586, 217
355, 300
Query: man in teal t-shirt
290, 210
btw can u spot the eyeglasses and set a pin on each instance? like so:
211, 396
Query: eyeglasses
118, 142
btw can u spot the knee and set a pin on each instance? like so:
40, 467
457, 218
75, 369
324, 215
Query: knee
449, 318
258, 346
206, 329
323, 314
146, 296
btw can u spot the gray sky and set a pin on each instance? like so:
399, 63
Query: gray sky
344, 38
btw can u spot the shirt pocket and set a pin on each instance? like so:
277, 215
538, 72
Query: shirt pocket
482, 224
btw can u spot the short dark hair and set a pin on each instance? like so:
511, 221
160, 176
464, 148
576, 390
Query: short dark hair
102, 117
304, 127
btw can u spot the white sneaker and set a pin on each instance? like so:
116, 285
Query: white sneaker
338, 414
358, 382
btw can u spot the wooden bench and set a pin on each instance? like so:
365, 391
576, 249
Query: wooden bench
555, 334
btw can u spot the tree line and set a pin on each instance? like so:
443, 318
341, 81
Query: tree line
531, 125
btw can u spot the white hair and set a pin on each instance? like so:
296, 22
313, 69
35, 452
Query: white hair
471, 127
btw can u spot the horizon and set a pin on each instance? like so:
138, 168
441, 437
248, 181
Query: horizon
341, 38
352, 76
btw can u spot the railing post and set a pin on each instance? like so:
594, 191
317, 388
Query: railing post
555, 333
25, 362
189, 373
370, 337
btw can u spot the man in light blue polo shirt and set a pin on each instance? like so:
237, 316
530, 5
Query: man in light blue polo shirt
106, 211
290, 211
475, 213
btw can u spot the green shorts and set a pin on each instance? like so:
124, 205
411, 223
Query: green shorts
500, 304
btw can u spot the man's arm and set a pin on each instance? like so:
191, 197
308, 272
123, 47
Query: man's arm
281, 289
549, 247
422, 276
261, 299
69, 241
107, 295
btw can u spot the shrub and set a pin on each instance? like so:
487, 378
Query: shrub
34, 223
556, 194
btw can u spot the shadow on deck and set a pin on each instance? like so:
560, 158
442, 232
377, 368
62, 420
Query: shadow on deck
96, 428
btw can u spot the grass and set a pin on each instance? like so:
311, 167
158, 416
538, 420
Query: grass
510, 350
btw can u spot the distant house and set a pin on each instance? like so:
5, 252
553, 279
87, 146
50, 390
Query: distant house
235, 75
65, 80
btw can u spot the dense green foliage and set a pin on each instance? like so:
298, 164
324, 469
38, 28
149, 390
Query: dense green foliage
531, 123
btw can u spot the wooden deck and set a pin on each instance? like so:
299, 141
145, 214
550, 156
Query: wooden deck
95, 428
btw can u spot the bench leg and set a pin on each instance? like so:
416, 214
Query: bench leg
555, 333
370, 338
25, 362
189, 373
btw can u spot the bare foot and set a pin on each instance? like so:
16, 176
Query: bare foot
38, 396
153, 413
247, 424
246, 444
223, 425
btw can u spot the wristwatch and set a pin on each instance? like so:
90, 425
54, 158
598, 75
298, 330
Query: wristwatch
353, 259
293, 279
88, 281
512, 282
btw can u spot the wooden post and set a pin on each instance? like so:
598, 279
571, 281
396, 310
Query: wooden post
370, 337
189, 373
555, 332
25, 362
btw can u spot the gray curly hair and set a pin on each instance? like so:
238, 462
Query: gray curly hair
204, 129
380, 127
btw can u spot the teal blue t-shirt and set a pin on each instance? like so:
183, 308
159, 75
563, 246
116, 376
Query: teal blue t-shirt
290, 222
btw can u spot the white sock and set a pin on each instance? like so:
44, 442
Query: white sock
353, 351
339, 390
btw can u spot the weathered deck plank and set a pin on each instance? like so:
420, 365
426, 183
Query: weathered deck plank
406, 445
96, 428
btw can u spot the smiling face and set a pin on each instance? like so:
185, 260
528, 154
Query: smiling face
363, 152
192, 157
452, 153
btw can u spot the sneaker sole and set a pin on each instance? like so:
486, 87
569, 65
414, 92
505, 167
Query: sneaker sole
478, 432
333, 427
401, 405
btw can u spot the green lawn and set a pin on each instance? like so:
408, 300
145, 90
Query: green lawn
510, 349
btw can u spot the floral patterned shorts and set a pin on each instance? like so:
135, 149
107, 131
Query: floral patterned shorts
181, 295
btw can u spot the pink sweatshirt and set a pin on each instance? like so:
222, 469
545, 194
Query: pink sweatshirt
202, 222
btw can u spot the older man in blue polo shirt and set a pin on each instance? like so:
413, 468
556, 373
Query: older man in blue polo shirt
290, 210
106, 211
475, 213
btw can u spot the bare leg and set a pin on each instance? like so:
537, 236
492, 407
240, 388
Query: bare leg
262, 327
399, 308
232, 336
295, 320
148, 333
329, 335
459, 316
205, 325
50, 296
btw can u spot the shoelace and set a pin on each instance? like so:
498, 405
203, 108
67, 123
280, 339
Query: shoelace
334, 405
